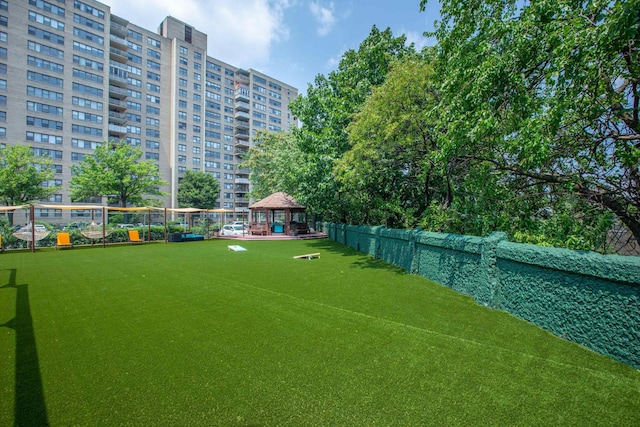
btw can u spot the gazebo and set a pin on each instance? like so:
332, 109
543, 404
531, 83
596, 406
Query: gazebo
278, 213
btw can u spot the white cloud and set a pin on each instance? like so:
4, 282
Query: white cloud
239, 33
324, 16
333, 62
417, 39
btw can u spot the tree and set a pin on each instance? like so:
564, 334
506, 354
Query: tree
275, 162
325, 113
115, 171
22, 175
546, 95
389, 176
198, 189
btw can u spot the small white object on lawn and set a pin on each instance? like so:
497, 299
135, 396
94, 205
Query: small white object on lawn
236, 248
308, 256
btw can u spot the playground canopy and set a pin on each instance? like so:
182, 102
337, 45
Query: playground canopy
95, 233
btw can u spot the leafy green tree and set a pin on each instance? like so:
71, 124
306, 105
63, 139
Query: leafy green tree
325, 113
545, 94
275, 161
115, 171
389, 175
22, 175
198, 189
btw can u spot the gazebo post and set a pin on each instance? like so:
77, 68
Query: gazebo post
287, 222
271, 220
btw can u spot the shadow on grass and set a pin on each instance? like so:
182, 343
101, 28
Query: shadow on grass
363, 260
29, 404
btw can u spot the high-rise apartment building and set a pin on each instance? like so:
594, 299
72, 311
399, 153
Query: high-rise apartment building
72, 76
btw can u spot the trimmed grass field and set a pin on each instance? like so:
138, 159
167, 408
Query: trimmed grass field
193, 334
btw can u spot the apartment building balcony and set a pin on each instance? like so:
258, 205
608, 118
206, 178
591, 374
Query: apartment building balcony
240, 151
118, 42
117, 130
118, 77
241, 133
242, 181
117, 118
242, 94
243, 171
242, 106
242, 143
241, 116
116, 104
118, 70
118, 55
241, 200
242, 76
243, 126
117, 92
119, 26
241, 189
116, 80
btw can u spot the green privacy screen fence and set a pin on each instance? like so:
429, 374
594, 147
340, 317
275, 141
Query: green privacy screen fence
585, 297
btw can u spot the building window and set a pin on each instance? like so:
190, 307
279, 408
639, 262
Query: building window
45, 138
42, 93
47, 50
81, 47
88, 22
78, 32
188, 32
153, 42
85, 62
43, 78
87, 117
134, 34
153, 76
86, 130
153, 53
90, 10
46, 35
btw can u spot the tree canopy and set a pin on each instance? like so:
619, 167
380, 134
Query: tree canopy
276, 162
198, 189
522, 118
545, 94
115, 171
389, 175
326, 111
22, 175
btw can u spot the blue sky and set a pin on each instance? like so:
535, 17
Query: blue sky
291, 40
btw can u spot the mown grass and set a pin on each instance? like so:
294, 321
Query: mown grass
194, 334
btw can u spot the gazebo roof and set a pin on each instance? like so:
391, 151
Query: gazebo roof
277, 200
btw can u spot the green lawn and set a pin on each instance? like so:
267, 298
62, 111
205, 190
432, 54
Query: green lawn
193, 334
